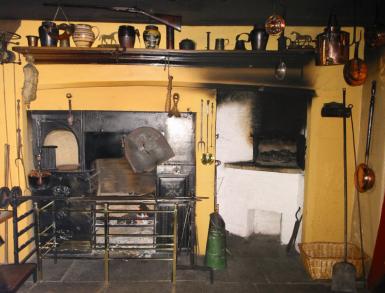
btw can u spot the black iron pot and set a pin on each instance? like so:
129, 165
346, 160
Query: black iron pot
187, 44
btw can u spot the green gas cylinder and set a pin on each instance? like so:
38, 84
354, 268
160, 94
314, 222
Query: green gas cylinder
215, 257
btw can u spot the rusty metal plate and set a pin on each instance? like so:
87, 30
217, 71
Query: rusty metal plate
145, 148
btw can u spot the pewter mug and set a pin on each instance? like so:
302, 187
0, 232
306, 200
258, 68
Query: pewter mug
32, 41
126, 34
221, 43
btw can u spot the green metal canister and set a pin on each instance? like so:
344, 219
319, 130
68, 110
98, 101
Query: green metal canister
215, 257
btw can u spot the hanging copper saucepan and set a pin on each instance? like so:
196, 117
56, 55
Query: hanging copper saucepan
355, 70
364, 177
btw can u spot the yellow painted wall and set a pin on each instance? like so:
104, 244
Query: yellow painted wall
323, 211
129, 87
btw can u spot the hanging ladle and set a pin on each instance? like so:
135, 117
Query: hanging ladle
364, 177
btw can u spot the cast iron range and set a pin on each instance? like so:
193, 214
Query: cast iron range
99, 137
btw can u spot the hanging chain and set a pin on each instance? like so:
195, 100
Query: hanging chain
57, 11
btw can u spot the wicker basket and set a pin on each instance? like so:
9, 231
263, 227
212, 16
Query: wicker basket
320, 257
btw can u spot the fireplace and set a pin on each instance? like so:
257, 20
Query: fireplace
261, 144
101, 168
276, 123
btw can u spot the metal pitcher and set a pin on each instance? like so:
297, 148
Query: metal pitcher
48, 34
258, 38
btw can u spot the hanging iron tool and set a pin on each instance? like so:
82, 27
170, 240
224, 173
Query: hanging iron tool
207, 157
344, 273
19, 144
70, 117
169, 87
364, 177
212, 125
201, 143
174, 110
6, 164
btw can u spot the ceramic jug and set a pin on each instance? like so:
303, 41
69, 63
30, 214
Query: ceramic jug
48, 34
151, 37
84, 36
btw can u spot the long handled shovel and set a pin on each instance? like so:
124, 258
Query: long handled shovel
344, 273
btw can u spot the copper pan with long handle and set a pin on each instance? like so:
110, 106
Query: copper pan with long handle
364, 177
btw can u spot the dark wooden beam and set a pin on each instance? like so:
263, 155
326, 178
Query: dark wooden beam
224, 59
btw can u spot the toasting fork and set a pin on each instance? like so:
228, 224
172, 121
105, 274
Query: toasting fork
201, 143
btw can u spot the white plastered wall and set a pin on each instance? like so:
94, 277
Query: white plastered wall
252, 201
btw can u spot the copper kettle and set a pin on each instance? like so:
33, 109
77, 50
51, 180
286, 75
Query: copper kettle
332, 44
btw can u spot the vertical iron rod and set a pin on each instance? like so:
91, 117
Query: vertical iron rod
93, 214
175, 234
194, 246
37, 241
370, 121
106, 245
15, 231
345, 179
6, 246
54, 230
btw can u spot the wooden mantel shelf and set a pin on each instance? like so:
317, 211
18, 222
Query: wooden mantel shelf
197, 58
